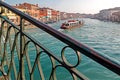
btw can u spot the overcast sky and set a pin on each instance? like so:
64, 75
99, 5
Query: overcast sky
76, 6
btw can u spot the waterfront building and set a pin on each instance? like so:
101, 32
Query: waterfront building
32, 9
72, 15
42, 14
17, 19
45, 14
58, 16
117, 16
9, 14
12, 16
55, 15
63, 15
107, 14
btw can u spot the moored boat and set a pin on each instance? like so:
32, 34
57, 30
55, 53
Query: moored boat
71, 24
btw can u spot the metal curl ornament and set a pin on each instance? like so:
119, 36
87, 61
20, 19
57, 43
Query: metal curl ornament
65, 60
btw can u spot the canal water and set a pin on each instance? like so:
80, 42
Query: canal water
104, 37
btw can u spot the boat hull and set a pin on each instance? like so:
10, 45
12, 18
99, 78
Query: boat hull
69, 27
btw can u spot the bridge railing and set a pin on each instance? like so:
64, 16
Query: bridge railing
15, 55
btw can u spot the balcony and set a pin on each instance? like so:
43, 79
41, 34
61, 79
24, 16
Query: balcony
17, 63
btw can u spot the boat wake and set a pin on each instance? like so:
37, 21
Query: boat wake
60, 30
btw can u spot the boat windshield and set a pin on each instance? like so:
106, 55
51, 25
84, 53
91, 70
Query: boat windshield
66, 24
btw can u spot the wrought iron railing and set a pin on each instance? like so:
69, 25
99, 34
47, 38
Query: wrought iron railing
14, 51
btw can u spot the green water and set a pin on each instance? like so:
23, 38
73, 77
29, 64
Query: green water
104, 37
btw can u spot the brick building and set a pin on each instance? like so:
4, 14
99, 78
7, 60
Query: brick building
55, 15
45, 14
32, 9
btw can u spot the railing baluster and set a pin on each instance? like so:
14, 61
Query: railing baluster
38, 63
23, 53
53, 74
27, 56
22, 77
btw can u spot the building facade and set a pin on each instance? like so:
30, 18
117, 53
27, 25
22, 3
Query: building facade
32, 9
45, 14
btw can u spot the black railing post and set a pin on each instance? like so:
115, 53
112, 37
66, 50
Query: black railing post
77, 46
21, 49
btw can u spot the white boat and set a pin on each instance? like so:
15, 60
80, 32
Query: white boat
71, 24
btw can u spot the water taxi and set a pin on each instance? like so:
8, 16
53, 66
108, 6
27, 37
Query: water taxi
71, 24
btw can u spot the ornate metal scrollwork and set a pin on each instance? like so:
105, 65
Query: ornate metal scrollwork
18, 46
77, 53
26, 40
